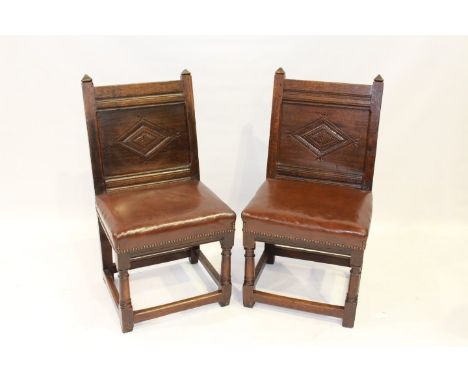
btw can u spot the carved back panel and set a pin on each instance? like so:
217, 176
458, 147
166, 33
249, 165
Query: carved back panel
141, 134
324, 131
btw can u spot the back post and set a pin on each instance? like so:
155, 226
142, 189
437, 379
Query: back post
186, 79
87, 87
275, 122
376, 103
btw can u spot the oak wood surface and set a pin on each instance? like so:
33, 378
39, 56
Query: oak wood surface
299, 304
308, 255
177, 306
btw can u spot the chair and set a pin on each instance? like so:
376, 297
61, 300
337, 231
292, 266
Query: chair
316, 201
151, 206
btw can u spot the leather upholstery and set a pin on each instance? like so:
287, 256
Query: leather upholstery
308, 211
161, 216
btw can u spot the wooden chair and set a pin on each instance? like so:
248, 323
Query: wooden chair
317, 195
151, 206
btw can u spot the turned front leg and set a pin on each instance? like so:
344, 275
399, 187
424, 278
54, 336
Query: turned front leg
125, 302
353, 292
249, 273
226, 286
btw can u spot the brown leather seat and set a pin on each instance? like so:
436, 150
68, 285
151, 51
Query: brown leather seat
163, 215
316, 212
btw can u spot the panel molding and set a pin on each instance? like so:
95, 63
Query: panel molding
347, 176
156, 138
137, 90
147, 177
327, 87
322, 137
150, 100
327, 98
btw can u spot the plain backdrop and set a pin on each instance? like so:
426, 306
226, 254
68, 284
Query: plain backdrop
54, 302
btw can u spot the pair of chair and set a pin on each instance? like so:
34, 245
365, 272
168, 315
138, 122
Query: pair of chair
315, 204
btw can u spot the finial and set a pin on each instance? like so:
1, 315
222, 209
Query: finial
86, 78
279, 71
378, 78
185, 72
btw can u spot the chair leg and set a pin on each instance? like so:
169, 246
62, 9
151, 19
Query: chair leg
249, 274
226, 287
353, 292
106, 252
270, 255
125, 302
194, 254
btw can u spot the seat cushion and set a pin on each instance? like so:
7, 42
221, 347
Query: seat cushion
163, 216
315, 214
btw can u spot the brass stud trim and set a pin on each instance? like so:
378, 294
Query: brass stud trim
162, 243
327, 243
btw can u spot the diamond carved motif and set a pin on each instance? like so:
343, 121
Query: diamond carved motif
146, 139
322, 137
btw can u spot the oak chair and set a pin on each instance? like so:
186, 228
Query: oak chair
316, 201
151, 206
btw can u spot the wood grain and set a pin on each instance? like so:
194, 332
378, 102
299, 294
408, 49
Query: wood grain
299, 304
177, 306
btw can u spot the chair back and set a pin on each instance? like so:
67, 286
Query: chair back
141, 134
324, 131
